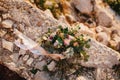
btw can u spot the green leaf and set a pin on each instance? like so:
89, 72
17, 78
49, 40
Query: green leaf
65, 30
45, 68
54, 39
87, 46
42, 3
60, 40
34, 71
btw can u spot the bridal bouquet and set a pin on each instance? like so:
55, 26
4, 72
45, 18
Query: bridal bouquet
65, 41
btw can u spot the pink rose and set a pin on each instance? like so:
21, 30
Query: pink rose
71, 37
67, 42
50, 38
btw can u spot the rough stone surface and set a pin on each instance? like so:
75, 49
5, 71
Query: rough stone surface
14, 57
7, 45
40, 65
101, 56
104, 19
7, 23
103, 16
100, 74
51, 66
84, 6
0, 19
25, 58
22, 52
99, 29
85, 30
5, 16
81, 78
103, 38
2, 33
29, 61
41, 76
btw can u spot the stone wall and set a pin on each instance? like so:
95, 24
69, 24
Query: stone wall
33, 22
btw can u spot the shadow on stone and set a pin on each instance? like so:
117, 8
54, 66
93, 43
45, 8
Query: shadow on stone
7, 74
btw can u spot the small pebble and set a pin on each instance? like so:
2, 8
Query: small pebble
25, 58
7, 45
7, 23
51, 66
29, 61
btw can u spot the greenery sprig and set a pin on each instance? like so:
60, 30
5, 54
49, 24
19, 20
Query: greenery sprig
65, 41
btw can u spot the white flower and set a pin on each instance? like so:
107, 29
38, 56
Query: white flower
56, 43
69, 52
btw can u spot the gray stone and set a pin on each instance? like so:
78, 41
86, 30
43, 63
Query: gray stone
51, 66
14, 57
82, 78
0, 19
40, 65
35, 55
116, 38
99, 29
41, 57
85, 30
105, 18
12, 66
100, 56
2, 33
22, 52
6, 16
29, 61
103, 38
41, 76
7, 45
7, 23
22, 27
84, 6
100, 74
25, 58
49, 13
